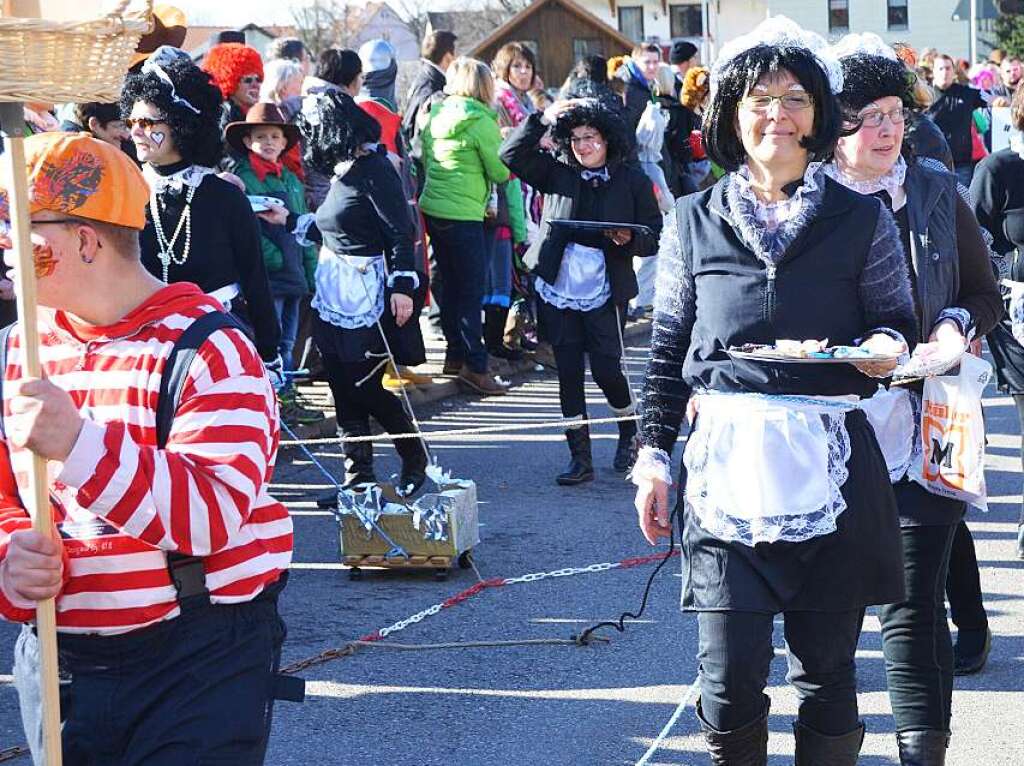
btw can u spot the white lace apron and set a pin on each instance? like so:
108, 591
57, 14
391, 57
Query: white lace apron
761, 469
349, 289
582, 284
891, 415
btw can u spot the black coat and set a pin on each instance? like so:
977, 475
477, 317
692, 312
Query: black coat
627, 197
429, 80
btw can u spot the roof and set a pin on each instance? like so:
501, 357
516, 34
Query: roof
470, 27
535, 7
198, 38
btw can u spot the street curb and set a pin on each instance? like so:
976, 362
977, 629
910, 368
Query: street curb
446, 387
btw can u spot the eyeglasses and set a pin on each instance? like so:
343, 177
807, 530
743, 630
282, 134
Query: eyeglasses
873, 119
251, 79
580, 140
790, 102
146, 123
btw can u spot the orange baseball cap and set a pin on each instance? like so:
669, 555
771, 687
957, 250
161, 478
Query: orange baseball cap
76, 174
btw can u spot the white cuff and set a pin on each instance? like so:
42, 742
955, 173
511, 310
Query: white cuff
302, 226
81, 463
652, 463
408, 275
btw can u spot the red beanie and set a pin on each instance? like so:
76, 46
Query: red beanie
228, 63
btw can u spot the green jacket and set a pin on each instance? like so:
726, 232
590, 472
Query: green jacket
288, 187
460, 154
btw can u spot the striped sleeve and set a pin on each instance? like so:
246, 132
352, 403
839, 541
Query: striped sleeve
195, 495
13, 518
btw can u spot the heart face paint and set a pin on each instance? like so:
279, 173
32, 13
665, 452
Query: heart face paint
157, 137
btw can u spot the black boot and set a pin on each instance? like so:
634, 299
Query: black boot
815, 749
627, 448
581, 463
414, 464
358, 458
746, 746
922, 748
495, 318
970, 653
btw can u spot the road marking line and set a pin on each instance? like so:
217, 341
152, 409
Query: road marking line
689, 698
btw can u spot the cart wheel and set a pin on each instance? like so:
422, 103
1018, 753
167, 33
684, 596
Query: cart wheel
465, 559
440, 575
355, 573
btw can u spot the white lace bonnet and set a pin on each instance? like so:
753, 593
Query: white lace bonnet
862, 43
779, 31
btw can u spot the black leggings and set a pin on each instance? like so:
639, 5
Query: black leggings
607, 372
356, 403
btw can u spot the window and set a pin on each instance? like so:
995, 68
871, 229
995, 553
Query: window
631, 22
586, 46
898, 17
686, 21
839, 16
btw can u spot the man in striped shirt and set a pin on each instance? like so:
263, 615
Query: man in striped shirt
169, 552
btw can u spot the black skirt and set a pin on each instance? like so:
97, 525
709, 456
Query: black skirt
859, 564
597, 330
363, 343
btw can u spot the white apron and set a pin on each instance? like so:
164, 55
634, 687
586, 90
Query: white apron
349, 289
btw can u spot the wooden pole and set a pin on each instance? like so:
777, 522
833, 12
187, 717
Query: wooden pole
12, 123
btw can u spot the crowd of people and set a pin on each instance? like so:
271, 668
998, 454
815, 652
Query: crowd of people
791, 190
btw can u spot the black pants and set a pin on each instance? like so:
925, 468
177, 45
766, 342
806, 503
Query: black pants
607, 373
197, 689
915, 634
356, 403
963, 584
735, 656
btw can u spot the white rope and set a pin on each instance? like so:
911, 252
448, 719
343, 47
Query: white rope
564, 423
688, 699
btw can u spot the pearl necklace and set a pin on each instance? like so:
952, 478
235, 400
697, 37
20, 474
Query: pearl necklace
166, 254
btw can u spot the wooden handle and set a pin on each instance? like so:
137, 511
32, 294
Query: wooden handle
38, 498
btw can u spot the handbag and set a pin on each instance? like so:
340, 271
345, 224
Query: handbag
406, 342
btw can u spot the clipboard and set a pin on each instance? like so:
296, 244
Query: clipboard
600, 226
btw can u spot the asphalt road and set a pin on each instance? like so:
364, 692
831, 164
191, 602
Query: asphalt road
555, 705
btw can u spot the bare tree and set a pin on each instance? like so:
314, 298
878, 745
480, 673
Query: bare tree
414, 14
326, 23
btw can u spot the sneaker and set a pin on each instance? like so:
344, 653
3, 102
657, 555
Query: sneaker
482, 382
294, 413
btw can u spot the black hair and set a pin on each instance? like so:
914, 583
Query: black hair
197, 137
338, 66
741, 74
287, 48
592, 67
867, 78
104, 113
338, 128
594, 114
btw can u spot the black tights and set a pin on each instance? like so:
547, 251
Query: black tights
607, 372
356, 403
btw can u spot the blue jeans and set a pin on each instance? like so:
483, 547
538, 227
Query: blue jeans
288, 316
498, 274
735, 656
460, 253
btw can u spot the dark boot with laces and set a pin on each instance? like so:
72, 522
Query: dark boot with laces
581, 461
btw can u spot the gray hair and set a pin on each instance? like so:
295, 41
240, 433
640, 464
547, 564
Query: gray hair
277, 74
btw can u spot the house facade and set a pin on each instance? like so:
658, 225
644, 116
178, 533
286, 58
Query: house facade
921, 23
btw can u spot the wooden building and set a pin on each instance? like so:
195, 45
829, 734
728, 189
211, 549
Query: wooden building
560, 32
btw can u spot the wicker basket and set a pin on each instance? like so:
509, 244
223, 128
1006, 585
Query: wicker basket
60, 61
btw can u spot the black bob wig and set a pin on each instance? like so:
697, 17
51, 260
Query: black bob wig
592, 113
197, 137
741, 74
867, 78
335, 131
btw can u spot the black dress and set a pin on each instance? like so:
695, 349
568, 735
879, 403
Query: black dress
225, 249
998, 195
839, 273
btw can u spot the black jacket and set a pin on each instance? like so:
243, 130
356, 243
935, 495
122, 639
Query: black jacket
675, 152
429, 80
627, 197
928, 141
953, 111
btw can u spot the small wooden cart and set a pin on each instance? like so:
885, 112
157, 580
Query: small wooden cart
436, 531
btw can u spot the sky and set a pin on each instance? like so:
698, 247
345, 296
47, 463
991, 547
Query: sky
236, 12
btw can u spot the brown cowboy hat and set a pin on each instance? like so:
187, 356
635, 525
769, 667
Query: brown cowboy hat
169, 28
263, 113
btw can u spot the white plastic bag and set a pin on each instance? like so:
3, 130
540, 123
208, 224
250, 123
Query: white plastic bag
953, 434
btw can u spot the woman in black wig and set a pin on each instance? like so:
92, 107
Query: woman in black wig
366, 279
199, 228
785, 504
956, 298
585, 277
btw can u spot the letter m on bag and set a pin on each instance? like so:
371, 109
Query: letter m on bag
942, 456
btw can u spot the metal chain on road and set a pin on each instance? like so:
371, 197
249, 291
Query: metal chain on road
568, 572
10, 753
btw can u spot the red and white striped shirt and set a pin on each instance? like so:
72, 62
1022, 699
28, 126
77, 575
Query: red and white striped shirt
121, 504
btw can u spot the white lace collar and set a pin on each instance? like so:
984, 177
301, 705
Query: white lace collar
192, 177
783, 209
892, 182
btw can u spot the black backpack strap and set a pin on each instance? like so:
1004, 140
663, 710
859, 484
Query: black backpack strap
187, 572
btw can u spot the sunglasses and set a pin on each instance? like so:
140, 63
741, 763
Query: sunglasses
146, 123
251, 79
